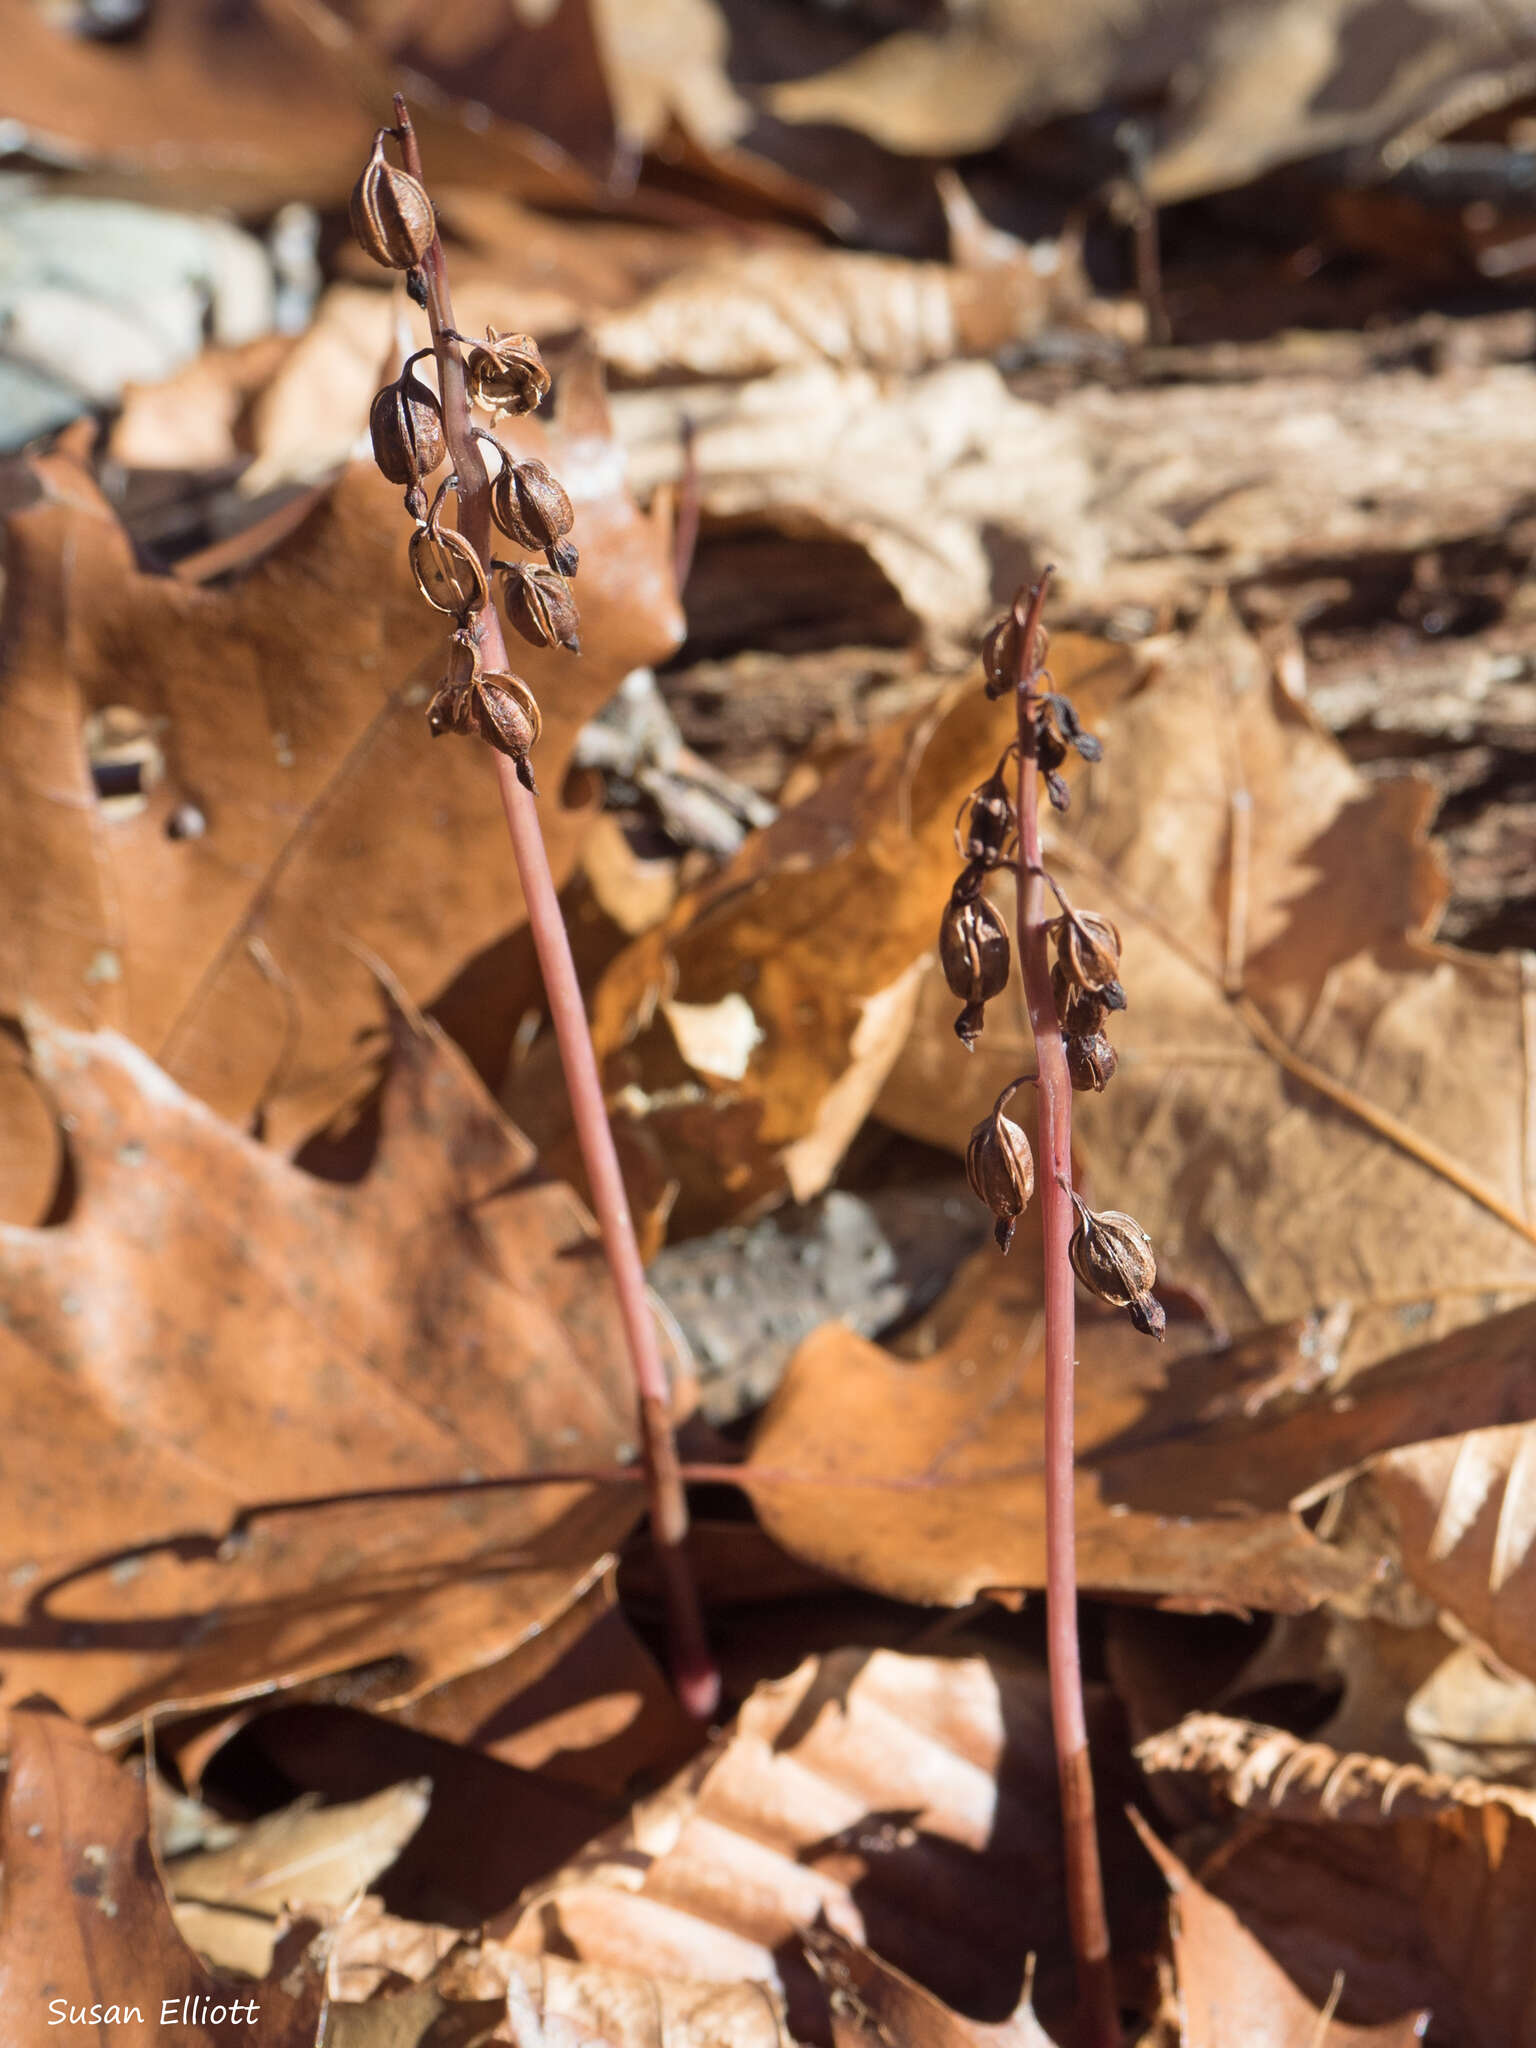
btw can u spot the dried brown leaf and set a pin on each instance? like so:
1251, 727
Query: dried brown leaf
910, 469
1463, 1514
1417, 1887
302, 1855
161, 108
756, 312
909, 1801
923, 1478
1243, 93
286, 709
576, 2002
216, 1359
86, 1922
1230, 1989
920, 1474
230, 1902
870, 2003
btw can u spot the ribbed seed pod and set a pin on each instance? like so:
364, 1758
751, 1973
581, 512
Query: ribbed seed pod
990, 824
564, 558
449, 710
506, 373
448, 572
1079, 1011
1001, 651
1000, 1168
405, 425
392, 216
530, 506
1091, 1061
1113, 1257
974, 952
508, 719
540, 606
499, 707
1088, 952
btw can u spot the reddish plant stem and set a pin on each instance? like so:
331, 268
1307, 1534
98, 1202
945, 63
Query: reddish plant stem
694, 1672
1098, 2019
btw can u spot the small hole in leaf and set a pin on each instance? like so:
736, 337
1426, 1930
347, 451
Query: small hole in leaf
125, 757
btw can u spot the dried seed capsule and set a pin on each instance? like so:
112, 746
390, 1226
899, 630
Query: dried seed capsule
529, 504
448, 572
506, 373
391, 214
539, 605
405, 425
508, 719
1113, 1257
1088, 950
563, 558
499, 707
1091, 1061
1001, 1168
1001, 655
991, 821
1080, 1012
450, 710
974, 952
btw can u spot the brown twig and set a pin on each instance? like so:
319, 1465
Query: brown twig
694, 1673
1098, 2018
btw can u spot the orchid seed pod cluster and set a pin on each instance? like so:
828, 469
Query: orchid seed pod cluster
1111, 1254
1004, 658
1058, 730
392, 218
1000, 1168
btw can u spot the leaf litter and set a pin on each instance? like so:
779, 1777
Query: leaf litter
293, 1304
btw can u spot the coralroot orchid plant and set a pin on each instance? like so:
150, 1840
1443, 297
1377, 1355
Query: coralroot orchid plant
415, 431
1069, 1000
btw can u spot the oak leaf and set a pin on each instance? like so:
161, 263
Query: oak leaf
284, 713
248, 1412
